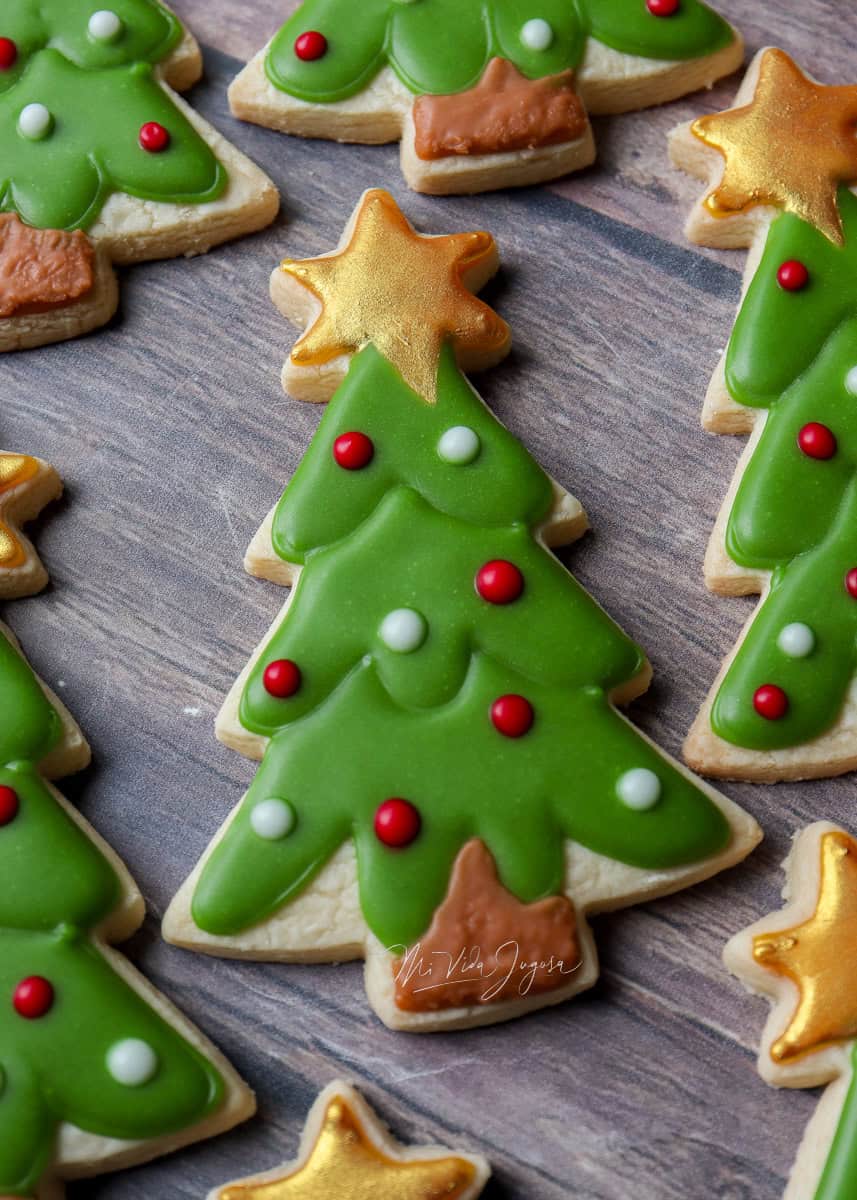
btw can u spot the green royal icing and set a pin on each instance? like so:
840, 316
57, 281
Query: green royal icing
148, 33
369, 723
792, 515
62, 180
839, 1177
57, 887
443, 46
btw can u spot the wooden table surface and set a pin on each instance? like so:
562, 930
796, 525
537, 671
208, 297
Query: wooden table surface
174, 437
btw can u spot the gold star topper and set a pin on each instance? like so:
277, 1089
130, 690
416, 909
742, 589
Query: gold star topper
347, 1152
16, 470
405, 293
818, 956
791, 146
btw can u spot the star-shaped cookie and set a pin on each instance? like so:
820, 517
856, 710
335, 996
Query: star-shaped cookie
347, 1152
26, 486
377, 287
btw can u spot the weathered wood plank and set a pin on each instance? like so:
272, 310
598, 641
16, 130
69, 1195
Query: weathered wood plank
174, 437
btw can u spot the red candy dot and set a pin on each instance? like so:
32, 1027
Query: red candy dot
499, 582
792, 276
512, 716
353, 451
771, 702
33, 997
8, 54
817, 441
310, 45
851, 582
397, 823
8, 805
153, 137
282, 678
663, 8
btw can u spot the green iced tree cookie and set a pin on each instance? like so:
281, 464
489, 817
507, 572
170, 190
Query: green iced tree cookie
80, 1044
438, 678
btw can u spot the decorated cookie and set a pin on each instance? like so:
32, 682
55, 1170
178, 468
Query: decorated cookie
101, 162
346, 1151
97, 1069
447, 788
802, 959
485, 94
26, 485
779, 164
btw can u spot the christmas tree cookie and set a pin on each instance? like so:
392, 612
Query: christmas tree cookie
346, 1151
97, 1070
780, 164
101, 162
802, 959
482, 95
447, 789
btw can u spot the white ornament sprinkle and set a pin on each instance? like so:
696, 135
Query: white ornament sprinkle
104, 25
132, 1062
459, 445
851, 381
34, 121
796, 640
536, 34
639, 789
273, 819
403, 630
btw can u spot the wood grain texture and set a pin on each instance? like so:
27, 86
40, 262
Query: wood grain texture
174, 438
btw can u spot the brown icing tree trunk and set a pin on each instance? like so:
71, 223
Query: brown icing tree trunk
484, 945
42, 269
504, 112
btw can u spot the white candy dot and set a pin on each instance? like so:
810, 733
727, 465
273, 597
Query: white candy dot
639, 789
104, 25
851, 381
796, 640
132, 1062
403, 630
34, 121
536, 34
273, 819
459, 445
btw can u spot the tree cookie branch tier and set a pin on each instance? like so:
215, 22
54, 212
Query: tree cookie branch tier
444, 772
483, 95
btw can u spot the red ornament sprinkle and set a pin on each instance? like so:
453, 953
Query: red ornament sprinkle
851, 582
310, 45
792, 276
512, 715
33, 997
9, 805
282, 678
817, 441
397, 822
499, 582
153, 137
771, 702
663, 8
353, 451
8, 54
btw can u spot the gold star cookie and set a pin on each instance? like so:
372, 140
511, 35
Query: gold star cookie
791, 147
405, 293
26, 486
347, 1152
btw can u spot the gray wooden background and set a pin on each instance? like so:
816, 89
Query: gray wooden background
174, 437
